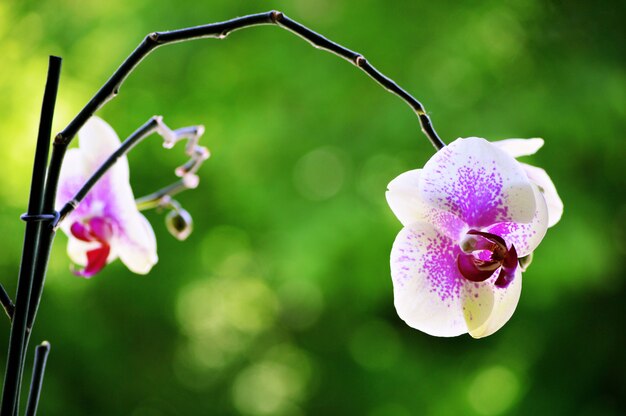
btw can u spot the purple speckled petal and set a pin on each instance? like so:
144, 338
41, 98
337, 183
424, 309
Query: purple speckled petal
478, 183
405, 202
428, 287
487, 308
525, 237
519, 147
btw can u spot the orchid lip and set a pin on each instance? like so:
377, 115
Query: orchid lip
471, 262
97, 230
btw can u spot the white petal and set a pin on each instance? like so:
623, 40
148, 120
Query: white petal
477, 182
405, 202
520, 147
427, 284
136, 244
488, 307
525, 237
555, 206
403, 198
97, 141
77, 250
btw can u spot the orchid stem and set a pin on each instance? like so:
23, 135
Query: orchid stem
6, 302
32, 243
160, 197
39, 367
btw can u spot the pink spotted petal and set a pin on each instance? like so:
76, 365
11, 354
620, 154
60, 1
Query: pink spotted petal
477, 182
405, 202
520, 147
525, 237
426, 281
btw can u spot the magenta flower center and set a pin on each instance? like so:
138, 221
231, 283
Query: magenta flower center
484, 253
96, 230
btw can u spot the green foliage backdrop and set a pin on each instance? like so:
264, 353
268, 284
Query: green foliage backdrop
280, 303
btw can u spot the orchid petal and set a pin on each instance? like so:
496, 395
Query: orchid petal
403, 198
525, 237
555, 206
477, 182
73, 175
405, 202
427, 283
97, 141
136, 245
519, 147
488, 308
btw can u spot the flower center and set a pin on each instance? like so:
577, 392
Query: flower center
483, 254
96, 230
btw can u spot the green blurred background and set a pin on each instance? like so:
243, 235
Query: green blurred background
280, 302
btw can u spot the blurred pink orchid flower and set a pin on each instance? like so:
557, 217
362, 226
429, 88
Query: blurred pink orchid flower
106, 224
468, 216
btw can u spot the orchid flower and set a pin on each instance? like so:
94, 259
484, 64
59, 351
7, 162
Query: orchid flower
468, 216
106, 224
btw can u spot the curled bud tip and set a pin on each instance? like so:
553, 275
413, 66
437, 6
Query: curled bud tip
179, 223
191, 180
202, 153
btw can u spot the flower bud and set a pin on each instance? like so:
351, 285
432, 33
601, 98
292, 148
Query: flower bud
179, 223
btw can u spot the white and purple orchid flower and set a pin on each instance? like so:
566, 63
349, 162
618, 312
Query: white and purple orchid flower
469, 215
106, 224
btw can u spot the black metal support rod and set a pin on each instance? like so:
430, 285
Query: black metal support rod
17, 340
39, 368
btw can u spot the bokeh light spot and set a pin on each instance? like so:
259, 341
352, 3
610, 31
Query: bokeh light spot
319, 174
375, 345
493, 391
274, 386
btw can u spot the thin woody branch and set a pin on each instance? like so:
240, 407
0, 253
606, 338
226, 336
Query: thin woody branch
222, 29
